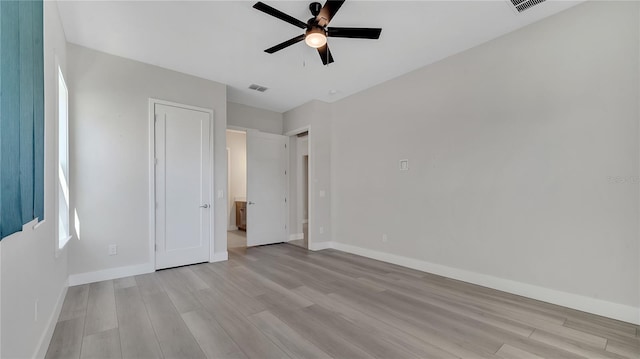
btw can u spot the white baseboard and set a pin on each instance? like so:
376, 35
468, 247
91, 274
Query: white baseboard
295, 236
232, 228
579, 302
45, 339
318, 246
111, 273
127, 271
219, 257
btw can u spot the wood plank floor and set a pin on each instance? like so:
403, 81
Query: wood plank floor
281, 301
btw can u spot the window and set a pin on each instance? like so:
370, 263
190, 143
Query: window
63, 162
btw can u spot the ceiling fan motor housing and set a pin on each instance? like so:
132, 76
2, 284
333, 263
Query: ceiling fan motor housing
313, 23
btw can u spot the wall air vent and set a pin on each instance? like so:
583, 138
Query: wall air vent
522, 5
258, 88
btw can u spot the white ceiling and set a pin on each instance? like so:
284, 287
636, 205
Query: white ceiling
224, 41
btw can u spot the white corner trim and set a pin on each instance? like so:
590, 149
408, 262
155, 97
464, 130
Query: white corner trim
575, 301
318, 246
45, 339
219, 257
111, 273
295, 236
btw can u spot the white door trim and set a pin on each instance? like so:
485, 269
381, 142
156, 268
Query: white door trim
300, 175
238, 128
311, 192
152, 175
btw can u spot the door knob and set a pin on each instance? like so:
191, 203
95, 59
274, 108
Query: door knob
251, 203
204, 206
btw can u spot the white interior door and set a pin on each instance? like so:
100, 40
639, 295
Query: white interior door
267, 162
183, 186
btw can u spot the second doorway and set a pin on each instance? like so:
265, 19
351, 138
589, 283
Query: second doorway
258, 180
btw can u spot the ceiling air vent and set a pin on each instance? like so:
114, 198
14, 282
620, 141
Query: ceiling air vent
258, 88
522, 5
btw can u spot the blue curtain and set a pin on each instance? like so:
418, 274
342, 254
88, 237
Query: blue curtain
21, 114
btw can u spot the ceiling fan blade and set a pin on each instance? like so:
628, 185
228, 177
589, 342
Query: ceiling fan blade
354, 32
279, 14
327, 12
282, 45
325, 54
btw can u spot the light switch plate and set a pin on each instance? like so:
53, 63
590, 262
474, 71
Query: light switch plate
404, 165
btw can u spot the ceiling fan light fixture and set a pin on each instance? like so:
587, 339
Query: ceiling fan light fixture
317, 30
315, 37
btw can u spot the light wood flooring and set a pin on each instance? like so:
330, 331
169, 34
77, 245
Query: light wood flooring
304, 242
281, 301
236, 239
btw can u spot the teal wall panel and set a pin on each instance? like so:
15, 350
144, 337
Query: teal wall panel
1, 171
38, 109
9, 119
21, 114
25, 30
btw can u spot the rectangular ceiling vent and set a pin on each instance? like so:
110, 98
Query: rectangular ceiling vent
522, 5
258, 88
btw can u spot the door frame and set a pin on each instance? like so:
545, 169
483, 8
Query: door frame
310, 176
300, 183
288, 194
152, 175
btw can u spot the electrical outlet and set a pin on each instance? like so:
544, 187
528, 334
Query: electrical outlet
113, 249
321, 230
385, 238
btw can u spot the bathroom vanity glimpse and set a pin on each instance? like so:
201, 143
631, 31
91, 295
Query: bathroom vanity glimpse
241, 215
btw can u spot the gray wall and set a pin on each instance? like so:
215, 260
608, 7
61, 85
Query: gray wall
30, 269
317, 115
523, 158
255, 118
110, 153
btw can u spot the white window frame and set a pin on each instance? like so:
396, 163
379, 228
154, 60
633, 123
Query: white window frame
62, 164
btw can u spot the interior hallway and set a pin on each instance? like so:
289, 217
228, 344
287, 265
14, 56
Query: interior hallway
236, 239
304, 242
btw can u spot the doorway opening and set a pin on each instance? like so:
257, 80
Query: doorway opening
237, 190
258, 169
299, 166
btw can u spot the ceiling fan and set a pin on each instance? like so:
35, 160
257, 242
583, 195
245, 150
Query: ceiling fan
316, 28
